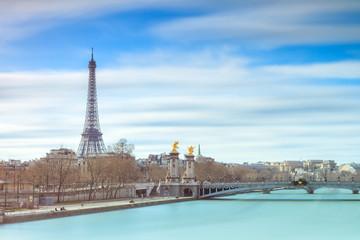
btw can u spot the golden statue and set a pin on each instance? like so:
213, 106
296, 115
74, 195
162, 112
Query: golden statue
191, 150
175, 146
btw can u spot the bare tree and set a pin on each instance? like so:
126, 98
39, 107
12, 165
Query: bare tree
215, 172
122, 148
60, 168
95, 169
156, 173
264, 175
122, 161
124, 169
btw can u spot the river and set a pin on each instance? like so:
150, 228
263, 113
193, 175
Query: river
286, 214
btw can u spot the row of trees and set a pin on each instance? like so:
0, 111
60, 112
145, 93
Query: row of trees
109, 172
215, 172
112, 171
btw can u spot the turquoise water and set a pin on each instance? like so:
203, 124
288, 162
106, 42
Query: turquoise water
287, 214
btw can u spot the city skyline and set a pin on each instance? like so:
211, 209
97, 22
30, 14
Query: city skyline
248, 80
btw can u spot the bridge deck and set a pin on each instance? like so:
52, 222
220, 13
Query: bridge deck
209, 190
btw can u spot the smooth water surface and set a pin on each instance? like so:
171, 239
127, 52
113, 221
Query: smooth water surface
287, 214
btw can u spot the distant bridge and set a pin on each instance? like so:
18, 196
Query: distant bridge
208, 190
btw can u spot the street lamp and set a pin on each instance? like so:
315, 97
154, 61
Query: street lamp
221, 179
18, 188
14, 178
77, 188
6, 186
33, 196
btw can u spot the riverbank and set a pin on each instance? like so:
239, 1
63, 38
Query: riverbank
48, 212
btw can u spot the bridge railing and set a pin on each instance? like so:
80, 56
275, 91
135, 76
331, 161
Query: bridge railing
213, 189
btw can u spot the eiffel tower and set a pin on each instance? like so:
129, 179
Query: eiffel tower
91, 143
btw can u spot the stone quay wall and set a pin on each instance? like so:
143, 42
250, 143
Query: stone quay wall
80, 211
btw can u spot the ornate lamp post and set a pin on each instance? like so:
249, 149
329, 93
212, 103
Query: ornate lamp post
33, 196
14, 178
6, 187
221, 179
18, 189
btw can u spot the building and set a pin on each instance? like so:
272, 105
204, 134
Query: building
312, 165
62, 154
201, 158
3, 184
350, 167
329, 164
159, 159
290, 165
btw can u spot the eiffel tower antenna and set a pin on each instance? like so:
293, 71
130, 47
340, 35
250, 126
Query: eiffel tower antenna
91, 143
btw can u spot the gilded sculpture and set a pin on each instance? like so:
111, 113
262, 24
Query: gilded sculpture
175, 146
191, 150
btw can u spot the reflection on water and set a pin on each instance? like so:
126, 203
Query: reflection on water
290, 214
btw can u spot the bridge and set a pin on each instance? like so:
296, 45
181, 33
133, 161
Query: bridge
209, 190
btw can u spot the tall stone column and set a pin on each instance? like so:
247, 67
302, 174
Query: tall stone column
189, 176
173, 172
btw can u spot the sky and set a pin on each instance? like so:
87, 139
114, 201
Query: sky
247, 80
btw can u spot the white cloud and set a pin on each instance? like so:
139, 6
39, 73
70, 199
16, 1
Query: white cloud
258, 23
22, 18
171, 57
270, 25
235, 111
343, 70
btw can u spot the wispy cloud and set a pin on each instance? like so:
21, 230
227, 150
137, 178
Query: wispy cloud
270, 25
21, 18
343, 70
258, 22
238, 112
194, 76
